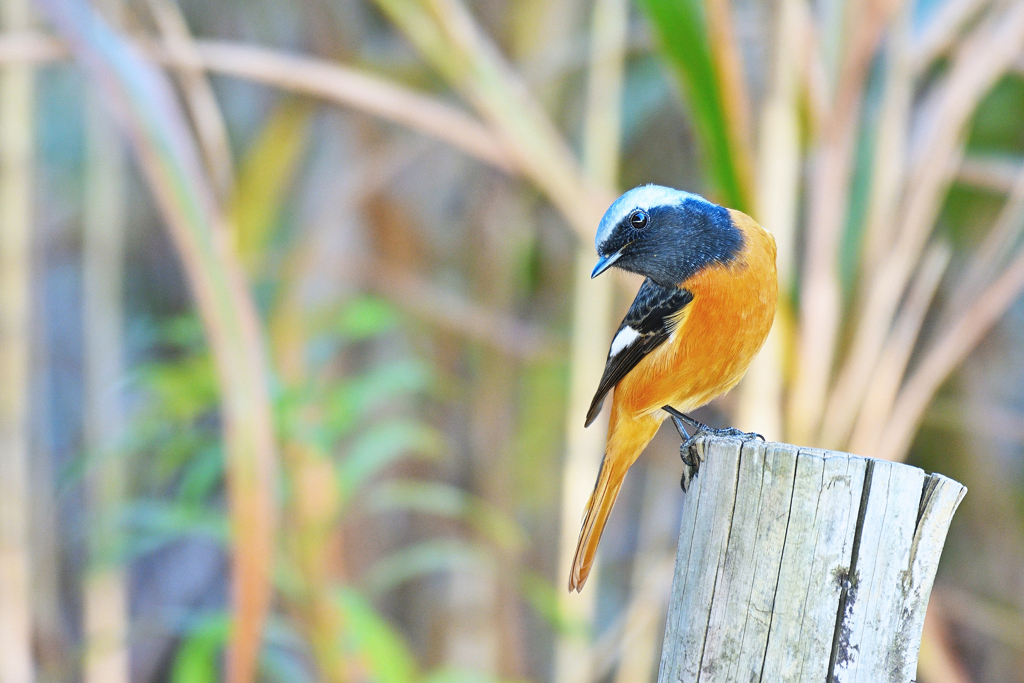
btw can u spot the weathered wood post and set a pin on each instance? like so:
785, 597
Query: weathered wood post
798, 564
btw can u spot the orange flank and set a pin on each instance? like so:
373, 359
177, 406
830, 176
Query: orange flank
716, 337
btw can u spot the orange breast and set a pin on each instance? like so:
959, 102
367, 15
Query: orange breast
719, 332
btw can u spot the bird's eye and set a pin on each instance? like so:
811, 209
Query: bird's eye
639, 219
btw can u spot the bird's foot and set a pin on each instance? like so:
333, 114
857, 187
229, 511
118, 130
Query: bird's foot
691, 450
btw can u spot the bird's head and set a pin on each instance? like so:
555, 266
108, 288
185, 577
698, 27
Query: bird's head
665, 234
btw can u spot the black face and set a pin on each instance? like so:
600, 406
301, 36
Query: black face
669, 244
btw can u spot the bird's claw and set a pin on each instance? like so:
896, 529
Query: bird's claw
691, 450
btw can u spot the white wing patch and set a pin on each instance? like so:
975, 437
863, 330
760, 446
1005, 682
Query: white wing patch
626, 336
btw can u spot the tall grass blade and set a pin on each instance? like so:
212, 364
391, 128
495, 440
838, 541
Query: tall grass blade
934, 155
685, 43
211, 131
591, 322
105, 599
955, 341
17, 135
880, 396
447, 35
147, 107
264, 179
760, 403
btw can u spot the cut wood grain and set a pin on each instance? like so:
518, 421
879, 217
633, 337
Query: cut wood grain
797, 564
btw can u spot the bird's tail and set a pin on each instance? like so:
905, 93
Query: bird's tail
609, 481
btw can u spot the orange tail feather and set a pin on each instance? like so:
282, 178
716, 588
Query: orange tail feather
609, 481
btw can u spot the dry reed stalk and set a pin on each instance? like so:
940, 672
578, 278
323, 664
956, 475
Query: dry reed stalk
17, 137
211, 131
996, 174
889, 163
592, 312
446, 34
935, 156
883, 386
584, 447
639, 645
311, 520
349, 87
501, 97
828, 201
342, 85
147, 107
355, 88
520, 141
994, 251
946, 353
727, 62
888, 168
941, 33
760, 400
105, 590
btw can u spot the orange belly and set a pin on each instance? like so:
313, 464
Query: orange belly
718, 335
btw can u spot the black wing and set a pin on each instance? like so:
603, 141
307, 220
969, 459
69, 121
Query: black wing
652, 319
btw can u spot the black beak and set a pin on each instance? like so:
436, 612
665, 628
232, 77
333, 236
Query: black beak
605, 262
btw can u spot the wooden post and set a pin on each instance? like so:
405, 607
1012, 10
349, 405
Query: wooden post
798, 564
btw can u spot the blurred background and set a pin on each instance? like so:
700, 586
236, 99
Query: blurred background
297, 333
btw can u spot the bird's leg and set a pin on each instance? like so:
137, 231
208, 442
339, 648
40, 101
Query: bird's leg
688, 451
690, 454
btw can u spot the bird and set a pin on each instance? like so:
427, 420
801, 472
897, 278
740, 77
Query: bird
703, 312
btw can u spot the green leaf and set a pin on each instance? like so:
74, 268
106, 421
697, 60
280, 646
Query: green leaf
352, 400
373, 640
153, 524
458, 675
365, 317
284, 656
203, 473
182, 331
183, 389
265, 177
380, 446
539, 434
429, 497
543, 597
428, 557
197, 659
681, 29
438, 498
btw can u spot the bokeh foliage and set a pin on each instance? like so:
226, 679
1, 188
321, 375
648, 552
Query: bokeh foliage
351, 356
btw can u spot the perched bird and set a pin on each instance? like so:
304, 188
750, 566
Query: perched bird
698, 320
